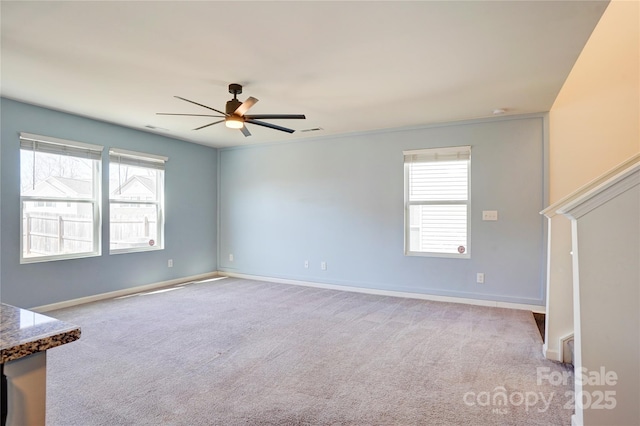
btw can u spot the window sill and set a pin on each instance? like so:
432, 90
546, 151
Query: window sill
135, 250
40, 259
440, 255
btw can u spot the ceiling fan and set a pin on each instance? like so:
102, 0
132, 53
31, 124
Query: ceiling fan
235, 115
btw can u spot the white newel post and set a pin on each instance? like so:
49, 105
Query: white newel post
606, 292
559, 310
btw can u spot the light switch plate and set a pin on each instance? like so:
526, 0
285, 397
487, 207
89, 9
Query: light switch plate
490, 215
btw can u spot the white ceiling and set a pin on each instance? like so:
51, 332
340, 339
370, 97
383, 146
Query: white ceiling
349, 66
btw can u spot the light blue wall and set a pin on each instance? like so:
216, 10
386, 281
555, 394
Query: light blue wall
190, 210
340, 200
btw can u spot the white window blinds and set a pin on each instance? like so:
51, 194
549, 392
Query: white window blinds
49, 145
137, 159
437, 154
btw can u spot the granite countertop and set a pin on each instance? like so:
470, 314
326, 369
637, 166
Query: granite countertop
24, 332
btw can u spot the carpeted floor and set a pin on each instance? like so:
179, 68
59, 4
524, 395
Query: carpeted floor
240, 352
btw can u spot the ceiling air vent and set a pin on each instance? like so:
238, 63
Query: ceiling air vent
149, 126
315, 129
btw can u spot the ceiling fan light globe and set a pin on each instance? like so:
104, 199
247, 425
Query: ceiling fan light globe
234, 123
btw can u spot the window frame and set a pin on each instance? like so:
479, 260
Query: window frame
60, 146
445, 151
141, 160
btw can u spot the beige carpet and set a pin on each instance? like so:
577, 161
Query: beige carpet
240, 352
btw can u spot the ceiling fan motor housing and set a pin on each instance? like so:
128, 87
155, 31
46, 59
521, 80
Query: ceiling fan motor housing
235, 89
232, 106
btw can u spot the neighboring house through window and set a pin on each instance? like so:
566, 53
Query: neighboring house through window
437, 202
60, 198
136, 201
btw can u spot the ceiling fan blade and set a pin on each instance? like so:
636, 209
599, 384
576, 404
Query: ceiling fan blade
190, 115
276, 116
269, 125
204, 106
244, 107
245, 131
207, 125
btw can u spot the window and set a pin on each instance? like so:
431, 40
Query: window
136, 201
59, 199
437, 202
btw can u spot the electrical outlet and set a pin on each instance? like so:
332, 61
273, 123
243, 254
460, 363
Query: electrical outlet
480, 277
323, 265
170, 263
306, 264
230, 257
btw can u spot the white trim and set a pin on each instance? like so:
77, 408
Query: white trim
480, 120
391, 293
550, 354
552, 209
58, 141
159, 205
95, 201
56, 257
465, 255
115, 252
563, 347
119, 293
135, 154
602, 193
209, 275
408, 203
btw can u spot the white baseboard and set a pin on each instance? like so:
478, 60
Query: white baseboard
421, 296
550, 353
123, 292
562, 353
436, 298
